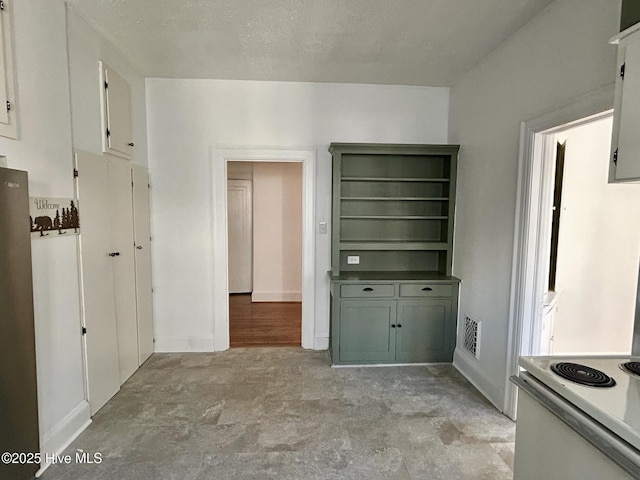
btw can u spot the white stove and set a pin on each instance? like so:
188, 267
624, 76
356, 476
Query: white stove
616, 407
578, 417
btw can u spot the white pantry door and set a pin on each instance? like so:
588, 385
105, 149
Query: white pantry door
99, 309
142, 232
124, 270
240, 228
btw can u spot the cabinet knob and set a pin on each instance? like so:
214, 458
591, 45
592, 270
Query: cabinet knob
131, 144
139, 247
399, 326
114, 254
427, 289
393, 326
367, 289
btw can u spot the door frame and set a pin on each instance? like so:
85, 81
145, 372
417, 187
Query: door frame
532, 225
220, 156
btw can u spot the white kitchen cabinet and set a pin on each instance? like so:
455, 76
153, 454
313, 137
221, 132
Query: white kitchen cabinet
116, 275
117, 135
625, 144
99, 308
124, 270
142, 237
8, 125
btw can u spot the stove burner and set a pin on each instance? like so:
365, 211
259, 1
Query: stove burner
582, 374
631, 367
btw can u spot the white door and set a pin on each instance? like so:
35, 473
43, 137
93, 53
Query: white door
99, 310
117, 113
124, 265
142, 232
240, 228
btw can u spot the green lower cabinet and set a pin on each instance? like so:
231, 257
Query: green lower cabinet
424, 331
365, 331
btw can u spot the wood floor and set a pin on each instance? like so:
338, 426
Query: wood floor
265, 323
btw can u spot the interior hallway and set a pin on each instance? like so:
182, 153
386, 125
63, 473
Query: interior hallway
283, 413
262, 324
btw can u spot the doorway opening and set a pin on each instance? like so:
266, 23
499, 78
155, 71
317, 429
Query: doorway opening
588, 304
530, 293
220, 159
264, 224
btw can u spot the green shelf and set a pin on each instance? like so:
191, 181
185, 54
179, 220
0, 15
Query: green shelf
393, 179
382, 246
397, 199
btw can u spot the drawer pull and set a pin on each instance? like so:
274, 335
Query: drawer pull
367, 289
427, 289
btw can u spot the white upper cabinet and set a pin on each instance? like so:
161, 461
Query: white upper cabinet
8, 126
625, 144
117, 137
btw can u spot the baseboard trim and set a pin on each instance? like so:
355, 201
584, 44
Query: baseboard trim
66, 431
184, 344
466, 365
276, 297
382, 365
321, 343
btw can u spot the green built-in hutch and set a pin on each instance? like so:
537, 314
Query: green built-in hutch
393, 299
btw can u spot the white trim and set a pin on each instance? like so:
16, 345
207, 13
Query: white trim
466, 363
220, 156
66, 431
183, 344
623, 37
526, 277
276, 296
321, 343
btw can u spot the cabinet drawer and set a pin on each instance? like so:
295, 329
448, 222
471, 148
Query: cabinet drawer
425, 290
367, 291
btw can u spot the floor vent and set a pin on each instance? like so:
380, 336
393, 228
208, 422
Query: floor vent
472, 336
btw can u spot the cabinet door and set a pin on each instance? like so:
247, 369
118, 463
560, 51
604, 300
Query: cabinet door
99, 309
366, 333
627, 116
425, 331
142, 232
117, 114
124, 265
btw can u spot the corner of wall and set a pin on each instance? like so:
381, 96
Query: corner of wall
66, 431
470, 369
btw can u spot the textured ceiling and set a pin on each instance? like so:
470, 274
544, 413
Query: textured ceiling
404, 42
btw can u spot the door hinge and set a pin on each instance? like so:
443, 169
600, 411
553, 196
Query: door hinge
615, 157
75, 173
8, 106
622, 68
84, 330
108, 132
106, 85
2, 5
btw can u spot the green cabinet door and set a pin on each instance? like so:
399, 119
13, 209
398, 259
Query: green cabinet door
425, 331
366, 332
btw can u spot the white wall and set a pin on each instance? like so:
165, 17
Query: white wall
186, 118
86, 49
560, 54
277, 232
598, 248
43, 148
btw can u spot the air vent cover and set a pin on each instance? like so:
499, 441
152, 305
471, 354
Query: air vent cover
472, 336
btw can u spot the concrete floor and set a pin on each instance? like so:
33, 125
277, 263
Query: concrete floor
283, 413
